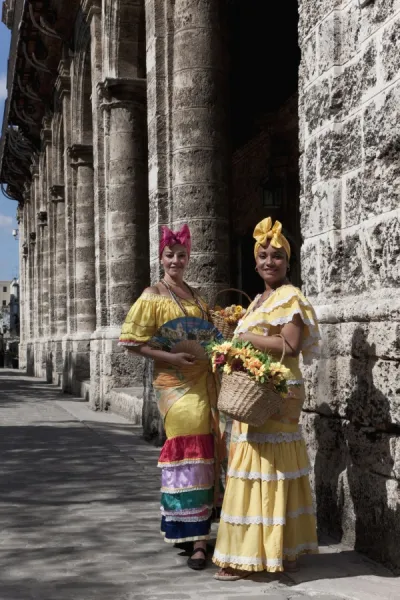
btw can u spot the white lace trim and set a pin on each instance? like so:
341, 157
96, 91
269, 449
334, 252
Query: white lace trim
282, 321
195, 488
267, 562
196, 538
185, 511
131, 343
267, 521
247, 560
271, 438
300, 548
187, 519
186, 461
269, 476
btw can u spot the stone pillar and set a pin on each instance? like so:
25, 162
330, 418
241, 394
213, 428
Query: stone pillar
200, 152
85, 299
60, 288
127, 208
93, 12
189, 155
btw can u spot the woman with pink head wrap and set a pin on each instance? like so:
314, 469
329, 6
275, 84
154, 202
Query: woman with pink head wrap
186, 397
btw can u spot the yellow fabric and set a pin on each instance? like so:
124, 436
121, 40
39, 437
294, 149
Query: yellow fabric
280, 308
265, 231
267, 514
151, 311
191, 415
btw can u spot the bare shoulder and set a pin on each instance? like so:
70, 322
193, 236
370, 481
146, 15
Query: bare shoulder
152, 290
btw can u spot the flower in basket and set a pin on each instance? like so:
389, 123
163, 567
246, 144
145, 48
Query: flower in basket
231, 314
237, 355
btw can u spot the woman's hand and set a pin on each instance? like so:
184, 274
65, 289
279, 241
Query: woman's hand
181, 359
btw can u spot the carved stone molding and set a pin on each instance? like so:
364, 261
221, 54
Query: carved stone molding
42, 218
63, 81
117, 91
81, 155
57, 193
32, 237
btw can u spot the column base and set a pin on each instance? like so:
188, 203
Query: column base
111, 367
76, 364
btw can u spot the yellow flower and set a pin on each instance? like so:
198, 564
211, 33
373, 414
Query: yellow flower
227, 369
223, 348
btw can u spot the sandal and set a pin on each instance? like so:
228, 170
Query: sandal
234, 576
197, 564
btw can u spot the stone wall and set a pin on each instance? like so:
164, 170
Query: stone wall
350, 219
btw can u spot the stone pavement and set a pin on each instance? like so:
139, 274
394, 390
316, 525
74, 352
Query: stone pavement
79, 516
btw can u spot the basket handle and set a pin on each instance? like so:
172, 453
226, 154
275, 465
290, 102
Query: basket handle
284, 346
232, 290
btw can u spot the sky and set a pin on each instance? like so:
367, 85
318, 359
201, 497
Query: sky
8, 208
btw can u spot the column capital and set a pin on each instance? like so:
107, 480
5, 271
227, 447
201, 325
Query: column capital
81, 155
122, 89
63, 81
57, 193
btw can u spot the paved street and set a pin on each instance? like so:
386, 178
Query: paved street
79, 516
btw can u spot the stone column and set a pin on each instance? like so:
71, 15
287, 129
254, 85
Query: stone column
200, 152
127, 208
60, 287
85, 299
189, 156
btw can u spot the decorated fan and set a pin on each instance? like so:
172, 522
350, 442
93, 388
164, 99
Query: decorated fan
185, 334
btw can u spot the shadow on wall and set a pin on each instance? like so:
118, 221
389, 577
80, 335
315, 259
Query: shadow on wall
30, 360
357, 492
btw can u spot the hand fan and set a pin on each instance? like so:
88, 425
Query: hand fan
185, 334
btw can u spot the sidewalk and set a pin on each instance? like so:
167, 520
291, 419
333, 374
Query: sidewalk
79, 516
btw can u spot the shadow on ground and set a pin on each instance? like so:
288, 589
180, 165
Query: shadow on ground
79, 511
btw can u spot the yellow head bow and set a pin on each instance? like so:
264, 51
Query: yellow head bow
264, 231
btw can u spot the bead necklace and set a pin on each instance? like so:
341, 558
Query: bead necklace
177, 299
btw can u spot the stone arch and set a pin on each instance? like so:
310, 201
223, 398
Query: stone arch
124, 36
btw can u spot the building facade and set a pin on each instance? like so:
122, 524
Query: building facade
123, 115
5, 291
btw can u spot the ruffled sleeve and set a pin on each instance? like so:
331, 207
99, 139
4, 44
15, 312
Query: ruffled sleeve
280, 309
141, 322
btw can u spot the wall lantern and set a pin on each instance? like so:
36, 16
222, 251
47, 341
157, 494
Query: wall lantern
15, 234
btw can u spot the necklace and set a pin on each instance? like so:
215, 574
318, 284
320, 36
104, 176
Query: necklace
177, 299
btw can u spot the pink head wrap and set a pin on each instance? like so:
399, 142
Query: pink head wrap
172, 238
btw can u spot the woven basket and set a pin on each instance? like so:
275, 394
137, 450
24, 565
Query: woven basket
245, 400
227, 330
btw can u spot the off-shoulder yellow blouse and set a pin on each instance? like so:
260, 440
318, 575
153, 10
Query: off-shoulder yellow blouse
149, 313
280, 308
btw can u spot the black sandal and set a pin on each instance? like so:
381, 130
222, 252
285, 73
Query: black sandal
198, 564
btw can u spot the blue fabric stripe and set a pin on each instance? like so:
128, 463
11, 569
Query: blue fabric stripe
178, 530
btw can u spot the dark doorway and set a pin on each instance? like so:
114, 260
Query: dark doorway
264, 63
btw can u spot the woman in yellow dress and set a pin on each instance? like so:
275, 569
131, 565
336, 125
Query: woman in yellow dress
186, 394
267, 517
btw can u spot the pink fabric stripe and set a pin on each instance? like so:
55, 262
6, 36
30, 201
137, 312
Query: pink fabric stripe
187, 476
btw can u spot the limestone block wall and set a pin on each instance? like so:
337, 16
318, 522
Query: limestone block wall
350, 219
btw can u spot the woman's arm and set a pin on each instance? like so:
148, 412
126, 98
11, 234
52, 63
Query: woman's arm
180, 359
292, 332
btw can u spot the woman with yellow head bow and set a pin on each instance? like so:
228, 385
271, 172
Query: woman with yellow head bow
267, 517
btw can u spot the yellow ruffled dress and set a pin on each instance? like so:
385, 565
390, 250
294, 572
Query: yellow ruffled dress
268, 514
